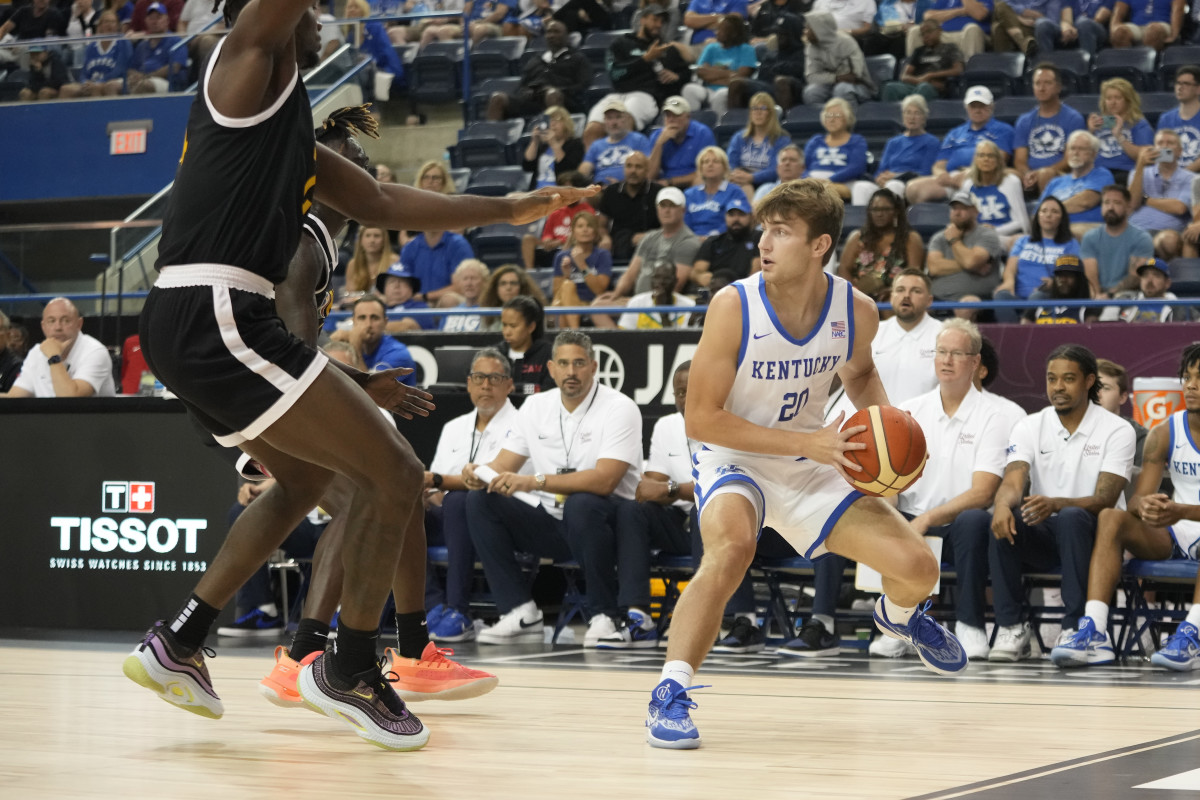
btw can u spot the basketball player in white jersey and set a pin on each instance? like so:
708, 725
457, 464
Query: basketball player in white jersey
1156, 527
771, 346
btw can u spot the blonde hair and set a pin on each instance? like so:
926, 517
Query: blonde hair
561, 114
915, 100
360, 273
472, 264
429, 166
773, 129
846, 110
963, 326
593, 223
973, 173
1133, 103
712, 150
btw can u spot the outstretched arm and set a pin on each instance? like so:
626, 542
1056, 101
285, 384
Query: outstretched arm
260, 45
344, 186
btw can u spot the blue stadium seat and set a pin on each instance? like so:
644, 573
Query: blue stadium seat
600, 87
1173, 58
1000, 72
877, 123
944, 116
1134, 64
498, 244
1084, 103
928, 218
1155, 104
533, 49
730, 123
497, 181
1007, 109
1073, 65
1185, 277
482, 92
803, 121
461, 177
856, 217
496, 58
487, 144
435, 76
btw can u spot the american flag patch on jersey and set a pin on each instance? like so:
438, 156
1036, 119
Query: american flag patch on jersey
838, 329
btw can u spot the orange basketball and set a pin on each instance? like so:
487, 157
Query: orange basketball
895, 454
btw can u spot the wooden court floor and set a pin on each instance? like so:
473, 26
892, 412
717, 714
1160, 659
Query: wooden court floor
74, 727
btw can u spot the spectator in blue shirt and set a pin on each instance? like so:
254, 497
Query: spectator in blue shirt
1030, 268
958, 148
604, 162
1122, 130
1040, 135
371, 38
105, 62
1112, 251
965, 23
1082, 23
1162, 195
1184, 119
675, 146
704, 16
905, 157
706, 201
839, 155
1015, 22
367, 335
1079, 190
157, 65
1151, 23
582, 269
730, 56
432, 256
998, 193
752, 152
399, 287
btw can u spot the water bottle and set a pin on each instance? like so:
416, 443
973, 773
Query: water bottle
146, 384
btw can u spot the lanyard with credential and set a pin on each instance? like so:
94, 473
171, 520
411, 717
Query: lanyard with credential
563, 434
475, 445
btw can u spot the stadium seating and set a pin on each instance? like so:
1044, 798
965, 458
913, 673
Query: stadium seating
1003, 73
1172, 59
496, 58
487, 144
1185, 277
1073, 65
928, 218
497, 181
481, 93
499, 244
1134, 64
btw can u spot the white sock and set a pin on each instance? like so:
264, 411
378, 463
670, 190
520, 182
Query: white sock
898, 614
825, 620
679, 671
647, 620
1098, 611
1194, 615
270, 609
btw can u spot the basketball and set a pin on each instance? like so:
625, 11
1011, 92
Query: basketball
895, 454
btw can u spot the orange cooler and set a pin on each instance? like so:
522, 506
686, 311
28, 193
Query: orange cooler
1155, 399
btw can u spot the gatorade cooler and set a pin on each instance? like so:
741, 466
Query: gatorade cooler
1155, 399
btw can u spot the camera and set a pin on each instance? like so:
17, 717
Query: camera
1165, 156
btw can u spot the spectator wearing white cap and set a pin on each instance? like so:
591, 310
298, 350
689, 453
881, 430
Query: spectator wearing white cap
604, 161
964, 259
676, 145
706, 201
958, 148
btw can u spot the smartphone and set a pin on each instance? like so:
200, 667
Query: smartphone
1165, 156
1108, 122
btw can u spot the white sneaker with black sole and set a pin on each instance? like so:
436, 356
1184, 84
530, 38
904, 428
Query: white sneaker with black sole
600, 627
521, 625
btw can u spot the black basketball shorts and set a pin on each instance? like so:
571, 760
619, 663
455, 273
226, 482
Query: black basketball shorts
210, 333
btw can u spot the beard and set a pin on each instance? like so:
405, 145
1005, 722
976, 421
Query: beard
1113, 219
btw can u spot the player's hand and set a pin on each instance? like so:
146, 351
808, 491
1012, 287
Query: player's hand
1037, 509
830, 445
385, 388
532, 206
1004, 526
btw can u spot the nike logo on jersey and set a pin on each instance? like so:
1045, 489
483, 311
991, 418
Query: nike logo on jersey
543, 436
761, 335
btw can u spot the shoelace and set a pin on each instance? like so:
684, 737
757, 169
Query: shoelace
1087, 630
678, 704
924, 629
1185, 636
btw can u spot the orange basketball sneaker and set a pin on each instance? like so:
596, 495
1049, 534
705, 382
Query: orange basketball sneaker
280, 686
434, 676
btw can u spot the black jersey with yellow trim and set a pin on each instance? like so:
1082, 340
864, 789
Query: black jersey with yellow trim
243, 185
322, 295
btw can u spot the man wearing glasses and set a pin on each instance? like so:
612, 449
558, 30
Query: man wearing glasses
952, 497
474, 438
584, 443
1183, 120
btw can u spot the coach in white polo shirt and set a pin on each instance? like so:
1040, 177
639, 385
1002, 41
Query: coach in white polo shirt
585, 443
1076, 458
966, 440
69, 363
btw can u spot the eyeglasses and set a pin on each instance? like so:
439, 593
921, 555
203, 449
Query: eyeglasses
834, 115
956, 355
1186, 83
493, 378
760, 108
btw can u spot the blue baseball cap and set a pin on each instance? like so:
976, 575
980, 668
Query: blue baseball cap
159, 7
737, 202
398, 270
1158, 264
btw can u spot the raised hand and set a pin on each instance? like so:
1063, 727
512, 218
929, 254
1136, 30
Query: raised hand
532, 206
385, 389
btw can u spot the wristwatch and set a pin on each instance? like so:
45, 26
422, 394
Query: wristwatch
540, 480
436, 480
52, 360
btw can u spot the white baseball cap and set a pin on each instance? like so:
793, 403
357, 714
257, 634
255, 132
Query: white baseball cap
978, 94
670, 194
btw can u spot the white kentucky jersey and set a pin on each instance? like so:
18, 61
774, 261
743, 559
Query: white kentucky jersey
783, 382
1183, 461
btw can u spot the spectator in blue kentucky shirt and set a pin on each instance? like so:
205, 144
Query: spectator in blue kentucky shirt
1161, 191
604, 162
752, 152
1122, 130
1185, 119
1151, 23
706, 201
399, 287
958, 148
905, 157
839, 155
703, 16
1030, 268
675, 146
105, 62
1079, 190
1040, 135
1082, 23
433, 256
158, 65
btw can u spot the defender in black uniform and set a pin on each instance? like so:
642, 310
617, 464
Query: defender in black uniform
249, 172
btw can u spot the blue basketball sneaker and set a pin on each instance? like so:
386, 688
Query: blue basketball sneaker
1085, 648
668, 723
1182, 651
937, 647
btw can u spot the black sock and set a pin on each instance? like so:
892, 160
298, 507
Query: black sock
189, 628
312, 635
411, 634
353, 652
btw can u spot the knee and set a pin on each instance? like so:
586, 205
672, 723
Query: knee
1110, 524
1121, 37
727, 561
1077, 522
973, 526
584, 506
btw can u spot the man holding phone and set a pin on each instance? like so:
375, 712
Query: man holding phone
1161, 193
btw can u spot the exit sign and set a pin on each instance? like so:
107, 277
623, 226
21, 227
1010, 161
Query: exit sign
124, 143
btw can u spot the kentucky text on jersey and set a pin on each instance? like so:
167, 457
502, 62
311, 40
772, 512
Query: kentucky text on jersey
795, 368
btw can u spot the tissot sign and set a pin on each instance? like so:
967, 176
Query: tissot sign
109, 518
